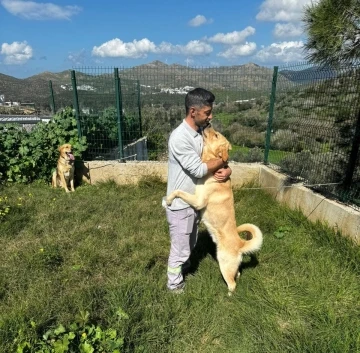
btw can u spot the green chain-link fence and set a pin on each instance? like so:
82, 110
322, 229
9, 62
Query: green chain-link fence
315, 130
299, 119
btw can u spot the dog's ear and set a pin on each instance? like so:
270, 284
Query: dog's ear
59, 148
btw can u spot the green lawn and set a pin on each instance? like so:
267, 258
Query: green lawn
103, 249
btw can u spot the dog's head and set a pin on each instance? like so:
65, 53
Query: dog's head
215, 144
66, 152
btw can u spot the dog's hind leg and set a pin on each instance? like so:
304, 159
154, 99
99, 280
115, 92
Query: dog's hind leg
229, 267
196, 201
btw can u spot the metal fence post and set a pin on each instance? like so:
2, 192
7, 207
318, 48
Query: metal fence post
139, 106
52, 98
76, 102
119, 110
271, 115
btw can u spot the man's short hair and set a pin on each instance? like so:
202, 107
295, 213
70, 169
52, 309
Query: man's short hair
198, 97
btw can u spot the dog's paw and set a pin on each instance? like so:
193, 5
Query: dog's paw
169, 201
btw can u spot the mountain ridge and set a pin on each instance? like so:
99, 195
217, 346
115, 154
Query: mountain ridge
155, 76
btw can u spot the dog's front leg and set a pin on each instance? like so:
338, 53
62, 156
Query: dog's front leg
196, 201
72, 184
53, 179
63, 182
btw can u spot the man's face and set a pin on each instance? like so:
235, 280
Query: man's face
202, 116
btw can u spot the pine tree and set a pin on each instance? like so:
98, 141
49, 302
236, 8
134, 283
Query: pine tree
333, 29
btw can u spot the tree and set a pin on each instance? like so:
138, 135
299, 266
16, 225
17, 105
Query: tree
333, 28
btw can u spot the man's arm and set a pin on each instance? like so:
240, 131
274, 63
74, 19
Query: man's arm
214, 164
187, 157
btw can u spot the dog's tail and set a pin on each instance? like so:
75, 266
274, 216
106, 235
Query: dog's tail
254, 244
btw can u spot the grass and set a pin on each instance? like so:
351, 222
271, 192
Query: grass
105, 247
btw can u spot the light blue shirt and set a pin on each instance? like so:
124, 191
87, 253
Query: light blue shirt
184, 166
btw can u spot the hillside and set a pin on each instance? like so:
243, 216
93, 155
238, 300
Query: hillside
153, 77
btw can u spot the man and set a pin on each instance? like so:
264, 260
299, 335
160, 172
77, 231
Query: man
184, 169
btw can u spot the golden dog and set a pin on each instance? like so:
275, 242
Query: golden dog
63, 176
216, 202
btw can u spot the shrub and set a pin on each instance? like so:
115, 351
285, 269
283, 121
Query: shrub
244, 135
285, 140
255, 154
27, 156
315, 168
79, 336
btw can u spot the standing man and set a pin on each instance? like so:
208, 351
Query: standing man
184, 168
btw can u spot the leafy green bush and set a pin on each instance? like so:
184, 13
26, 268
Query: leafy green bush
285, 140
80, 336
28, 156
244, 136
253, 155
102, 131
325, 167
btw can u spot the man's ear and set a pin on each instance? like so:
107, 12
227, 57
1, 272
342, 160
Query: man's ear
192, 111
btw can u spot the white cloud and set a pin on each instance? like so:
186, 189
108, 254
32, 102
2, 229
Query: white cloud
282, 10
239, 50
199, 20
138, 49
287, 30
282, 52
16, 53
232, 38
194, 47
32, 10
117, 48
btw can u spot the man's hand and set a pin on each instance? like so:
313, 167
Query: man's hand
222, 174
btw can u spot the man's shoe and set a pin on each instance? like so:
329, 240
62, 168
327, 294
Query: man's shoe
178, 290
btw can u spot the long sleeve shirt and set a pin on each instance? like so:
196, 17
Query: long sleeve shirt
184, 166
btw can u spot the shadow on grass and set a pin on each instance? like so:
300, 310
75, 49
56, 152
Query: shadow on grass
205, 246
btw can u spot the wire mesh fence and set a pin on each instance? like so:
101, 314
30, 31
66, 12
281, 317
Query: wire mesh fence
300, 119
315, 129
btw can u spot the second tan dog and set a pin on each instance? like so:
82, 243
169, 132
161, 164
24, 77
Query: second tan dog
63, 176
216, 202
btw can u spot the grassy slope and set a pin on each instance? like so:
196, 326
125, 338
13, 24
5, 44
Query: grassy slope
105, 247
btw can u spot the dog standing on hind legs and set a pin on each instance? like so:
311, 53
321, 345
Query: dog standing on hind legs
63, 176
215, 201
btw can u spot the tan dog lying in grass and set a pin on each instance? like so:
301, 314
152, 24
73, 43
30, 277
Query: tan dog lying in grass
63, 176
216, 202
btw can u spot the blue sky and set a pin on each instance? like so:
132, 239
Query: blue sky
61, 34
